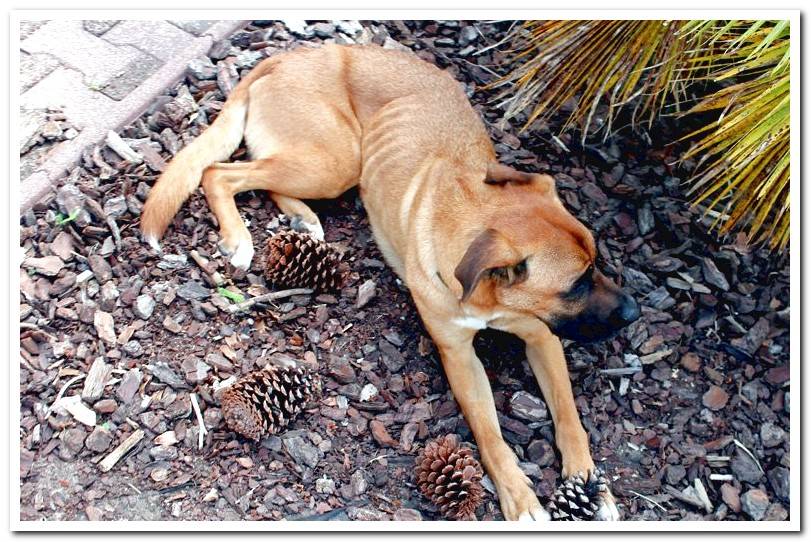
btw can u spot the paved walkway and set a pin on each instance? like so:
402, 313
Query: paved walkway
80, 79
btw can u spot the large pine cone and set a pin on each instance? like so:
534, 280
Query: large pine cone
298, 260
450, 477
578, 499
265, 401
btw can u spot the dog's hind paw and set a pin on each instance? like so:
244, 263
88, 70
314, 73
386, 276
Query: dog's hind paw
153, 242
243, 255
239, 253
298, 223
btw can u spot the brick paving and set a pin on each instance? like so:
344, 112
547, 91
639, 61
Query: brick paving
95, 76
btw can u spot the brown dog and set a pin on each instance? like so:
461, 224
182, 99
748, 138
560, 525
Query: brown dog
478, 243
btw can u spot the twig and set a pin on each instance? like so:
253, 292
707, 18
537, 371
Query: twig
717, 458
507, 37
115, 230
205, 265
741, 395
109, 462
378, 458
622, 371
482, 66
59, 395
654, 503
560, 144
326, 516
702, 494
745, 449
122, 149
138, 491
239, 307
201, 431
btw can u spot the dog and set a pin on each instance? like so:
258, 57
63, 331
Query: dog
479, 244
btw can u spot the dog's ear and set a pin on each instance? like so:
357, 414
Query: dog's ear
489, 257
499, 174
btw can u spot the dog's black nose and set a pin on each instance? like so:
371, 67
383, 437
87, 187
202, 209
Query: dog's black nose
628, 311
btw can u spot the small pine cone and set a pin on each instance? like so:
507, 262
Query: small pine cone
450, 477
265, 401
298, 260
578, 499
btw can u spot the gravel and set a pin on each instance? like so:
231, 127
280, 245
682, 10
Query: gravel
754, 503
144, 306
528, 407
301, 451
366, 292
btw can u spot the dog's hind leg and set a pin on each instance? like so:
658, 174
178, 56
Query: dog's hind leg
286, 175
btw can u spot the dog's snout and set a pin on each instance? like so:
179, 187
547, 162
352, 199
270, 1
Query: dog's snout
628, 310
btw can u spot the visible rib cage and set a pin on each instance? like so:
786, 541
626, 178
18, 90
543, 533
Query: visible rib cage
386, 144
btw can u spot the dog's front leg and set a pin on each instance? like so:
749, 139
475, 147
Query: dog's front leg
471, 390
546, 358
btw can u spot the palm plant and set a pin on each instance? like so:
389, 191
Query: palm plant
737, 69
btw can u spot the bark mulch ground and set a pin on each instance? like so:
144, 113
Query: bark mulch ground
687, 410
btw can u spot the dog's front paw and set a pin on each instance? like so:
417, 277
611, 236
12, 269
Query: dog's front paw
519, 503
535, 513
584, 498
608, 509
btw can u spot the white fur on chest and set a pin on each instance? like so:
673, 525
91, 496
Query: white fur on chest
475, 322
470, 322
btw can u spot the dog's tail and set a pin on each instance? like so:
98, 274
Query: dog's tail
185, 171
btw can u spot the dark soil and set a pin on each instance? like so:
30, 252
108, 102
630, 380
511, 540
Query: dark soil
694, 393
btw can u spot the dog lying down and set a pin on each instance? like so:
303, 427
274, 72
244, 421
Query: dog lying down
478, 243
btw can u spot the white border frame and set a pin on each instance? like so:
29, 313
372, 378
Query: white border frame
376, 14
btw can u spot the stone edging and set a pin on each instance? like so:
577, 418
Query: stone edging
34, 187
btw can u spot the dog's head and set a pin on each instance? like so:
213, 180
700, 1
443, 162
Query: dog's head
536, 259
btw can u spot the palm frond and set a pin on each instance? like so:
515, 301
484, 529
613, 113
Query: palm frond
652, 68
745, 154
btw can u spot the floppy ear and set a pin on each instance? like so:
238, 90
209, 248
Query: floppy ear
489, 257
501, 175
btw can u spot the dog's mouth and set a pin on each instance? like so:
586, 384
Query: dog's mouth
583, 330
586, 328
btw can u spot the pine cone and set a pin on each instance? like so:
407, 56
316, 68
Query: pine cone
265, 401
578, 499
298, 260
450, 477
